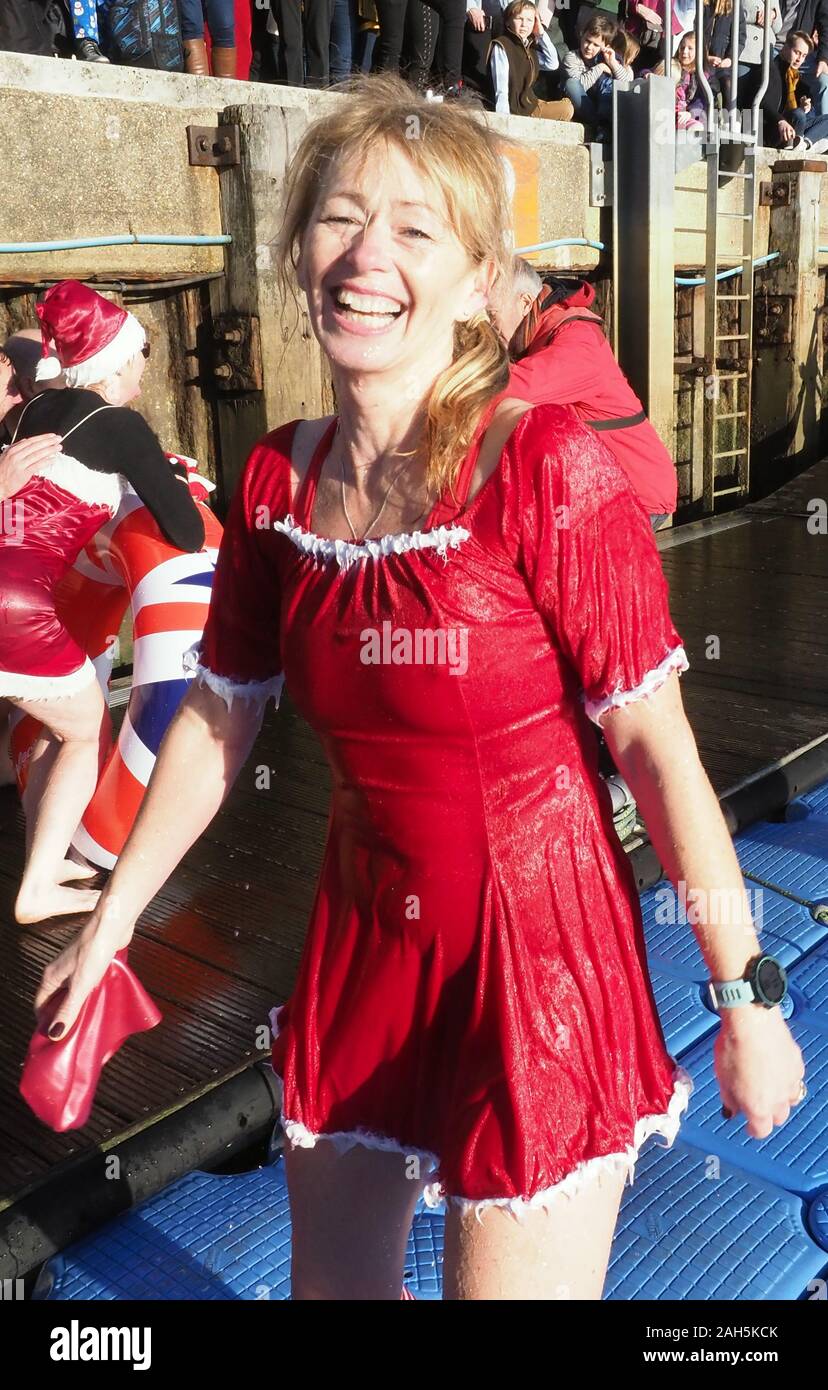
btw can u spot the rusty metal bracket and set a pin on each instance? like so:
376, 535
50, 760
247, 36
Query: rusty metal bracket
237, 353
776, 194
216, 146
773, 320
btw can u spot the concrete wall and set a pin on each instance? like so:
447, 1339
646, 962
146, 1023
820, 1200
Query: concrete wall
94, 151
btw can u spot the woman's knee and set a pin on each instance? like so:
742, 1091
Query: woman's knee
75, 719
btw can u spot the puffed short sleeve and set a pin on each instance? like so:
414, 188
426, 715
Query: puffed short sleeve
592, 562
239, 653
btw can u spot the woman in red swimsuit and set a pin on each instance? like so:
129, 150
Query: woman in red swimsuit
452, 583
58, 503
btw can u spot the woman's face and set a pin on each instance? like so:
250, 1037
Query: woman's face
126, 385
522, 24
9, 390
385, 276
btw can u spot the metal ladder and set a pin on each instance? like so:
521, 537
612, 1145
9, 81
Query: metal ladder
728, 374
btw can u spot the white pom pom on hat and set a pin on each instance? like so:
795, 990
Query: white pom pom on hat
48, 368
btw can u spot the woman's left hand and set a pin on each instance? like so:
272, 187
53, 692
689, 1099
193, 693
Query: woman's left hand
22, 460
81, 966
759, 1067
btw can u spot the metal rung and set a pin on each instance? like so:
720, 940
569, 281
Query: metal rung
731, 415
727, 491
730, 454
731, 337
735, 175
742, 216
731, 376
733, 297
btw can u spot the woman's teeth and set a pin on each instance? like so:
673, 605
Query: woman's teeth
367, 306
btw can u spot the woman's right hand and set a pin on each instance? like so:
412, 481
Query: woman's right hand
477, 19
82, 965
653, 19
22, 460
759, 1067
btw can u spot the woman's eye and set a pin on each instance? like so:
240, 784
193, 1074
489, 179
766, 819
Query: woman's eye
339, 218
416, 232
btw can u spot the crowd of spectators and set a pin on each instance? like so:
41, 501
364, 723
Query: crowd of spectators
555, 59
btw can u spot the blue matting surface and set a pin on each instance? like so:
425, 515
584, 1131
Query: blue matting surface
718, 1216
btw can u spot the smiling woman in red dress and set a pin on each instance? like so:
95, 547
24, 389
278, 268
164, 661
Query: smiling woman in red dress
452, 584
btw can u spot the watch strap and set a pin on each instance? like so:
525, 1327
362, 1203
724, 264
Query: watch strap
731, 994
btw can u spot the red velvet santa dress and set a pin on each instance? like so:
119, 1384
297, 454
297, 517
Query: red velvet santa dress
473, 989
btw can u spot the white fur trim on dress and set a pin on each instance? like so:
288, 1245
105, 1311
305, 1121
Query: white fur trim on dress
300, 1137
434, 1194
227, 689
347, 553
15, 686
666, 1124
676, 660
87, 484
126, 344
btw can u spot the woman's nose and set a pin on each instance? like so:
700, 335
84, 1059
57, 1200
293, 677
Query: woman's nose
371, 244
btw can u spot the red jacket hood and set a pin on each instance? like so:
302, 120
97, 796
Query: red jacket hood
540, 323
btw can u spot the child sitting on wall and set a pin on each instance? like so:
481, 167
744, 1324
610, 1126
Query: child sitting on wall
516, 60
591, 73
690, 104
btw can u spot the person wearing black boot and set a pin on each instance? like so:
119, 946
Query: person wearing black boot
433, 37
85, 28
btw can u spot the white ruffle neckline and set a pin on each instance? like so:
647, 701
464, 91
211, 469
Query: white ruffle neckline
347, 553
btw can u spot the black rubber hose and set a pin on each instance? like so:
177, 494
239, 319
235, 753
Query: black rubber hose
765, 796
202, 1134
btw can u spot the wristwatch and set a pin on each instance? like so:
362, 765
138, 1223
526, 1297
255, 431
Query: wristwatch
764, 982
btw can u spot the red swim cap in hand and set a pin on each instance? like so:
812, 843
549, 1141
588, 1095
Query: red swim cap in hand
60, 1078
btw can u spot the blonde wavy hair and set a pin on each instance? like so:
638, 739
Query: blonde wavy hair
452, 146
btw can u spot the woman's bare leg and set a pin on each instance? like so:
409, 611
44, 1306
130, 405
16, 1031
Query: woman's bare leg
41, 762
559, 1253
38, 770
63, 782
351, 1213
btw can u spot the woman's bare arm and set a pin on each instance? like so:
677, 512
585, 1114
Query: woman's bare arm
757, 1062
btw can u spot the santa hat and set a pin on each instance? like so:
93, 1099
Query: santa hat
84, 336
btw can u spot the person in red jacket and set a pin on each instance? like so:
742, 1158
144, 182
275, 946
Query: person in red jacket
561, 356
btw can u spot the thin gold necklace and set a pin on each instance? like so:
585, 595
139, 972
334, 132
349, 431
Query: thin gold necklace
372, 523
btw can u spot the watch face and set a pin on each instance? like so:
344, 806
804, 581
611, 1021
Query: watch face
771, 981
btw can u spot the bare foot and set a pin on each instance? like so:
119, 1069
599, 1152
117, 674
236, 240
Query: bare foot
52, 900
71, 870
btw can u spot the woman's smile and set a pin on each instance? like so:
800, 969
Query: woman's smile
364, 310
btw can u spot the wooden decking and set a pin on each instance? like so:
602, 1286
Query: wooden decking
222, 941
